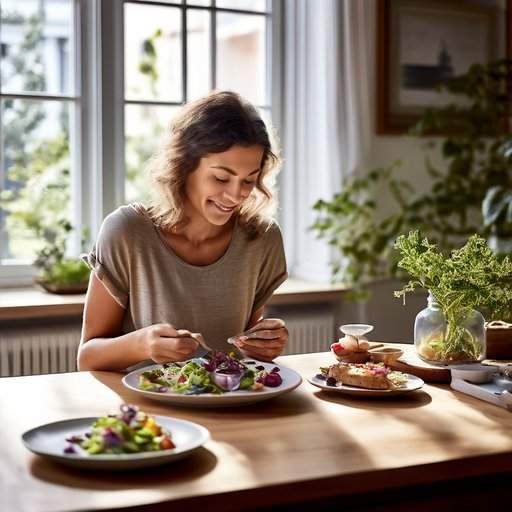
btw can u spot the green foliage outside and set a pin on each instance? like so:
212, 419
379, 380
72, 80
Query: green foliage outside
140, 148
477, 152
38, 170
149, 58
37, 202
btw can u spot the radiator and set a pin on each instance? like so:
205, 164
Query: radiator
38, 350
310, 332
35, 350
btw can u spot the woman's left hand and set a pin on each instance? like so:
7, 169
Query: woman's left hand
264, 341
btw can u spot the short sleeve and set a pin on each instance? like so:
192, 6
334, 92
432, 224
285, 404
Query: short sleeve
273, 266
109, 258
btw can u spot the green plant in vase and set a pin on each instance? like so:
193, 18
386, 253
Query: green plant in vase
468, 280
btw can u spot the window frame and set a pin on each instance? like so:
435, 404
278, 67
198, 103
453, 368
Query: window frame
98, 140
273, 31
19, 274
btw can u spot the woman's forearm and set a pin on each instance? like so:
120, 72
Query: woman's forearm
112, 353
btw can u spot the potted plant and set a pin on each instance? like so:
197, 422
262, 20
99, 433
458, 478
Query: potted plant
59, 273
468, 280
477, 153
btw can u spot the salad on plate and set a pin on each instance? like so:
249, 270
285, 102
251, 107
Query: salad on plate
129, 431
215, 373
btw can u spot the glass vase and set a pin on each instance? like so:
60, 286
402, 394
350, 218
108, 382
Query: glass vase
449, 339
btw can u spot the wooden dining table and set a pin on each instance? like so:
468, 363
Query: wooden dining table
304, 450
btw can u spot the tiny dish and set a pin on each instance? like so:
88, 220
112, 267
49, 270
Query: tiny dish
386, 355
356, 330
353, 357
476, 373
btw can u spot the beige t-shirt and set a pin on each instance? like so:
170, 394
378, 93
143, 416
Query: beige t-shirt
144, 275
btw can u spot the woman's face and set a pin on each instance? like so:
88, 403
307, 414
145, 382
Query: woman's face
222, 181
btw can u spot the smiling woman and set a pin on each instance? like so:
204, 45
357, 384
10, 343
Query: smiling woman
201, 261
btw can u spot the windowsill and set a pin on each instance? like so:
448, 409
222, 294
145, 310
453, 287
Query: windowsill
32, 303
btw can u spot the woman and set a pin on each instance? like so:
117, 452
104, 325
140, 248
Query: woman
200, 263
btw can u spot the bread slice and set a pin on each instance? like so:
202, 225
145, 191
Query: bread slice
368, 376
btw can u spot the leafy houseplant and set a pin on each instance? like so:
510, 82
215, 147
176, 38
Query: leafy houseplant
497, 214
477, 153
470, 278
349, 222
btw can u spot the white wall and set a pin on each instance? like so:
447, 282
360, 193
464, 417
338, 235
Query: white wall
384, 150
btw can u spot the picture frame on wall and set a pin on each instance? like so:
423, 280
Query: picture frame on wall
420, 43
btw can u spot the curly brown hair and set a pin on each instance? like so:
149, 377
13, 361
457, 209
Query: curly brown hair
212, 124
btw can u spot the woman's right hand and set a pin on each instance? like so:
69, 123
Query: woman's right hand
164, 343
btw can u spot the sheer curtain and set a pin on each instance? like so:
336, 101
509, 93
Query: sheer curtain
325, 117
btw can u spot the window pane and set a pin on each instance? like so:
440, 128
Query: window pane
241, 55
35, 184
246, 5
153, 53
36, 42
198, 53
145, 127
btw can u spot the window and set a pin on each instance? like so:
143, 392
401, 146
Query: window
39, 112
176, 52
87, 89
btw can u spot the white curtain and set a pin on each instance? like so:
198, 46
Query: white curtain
325, 117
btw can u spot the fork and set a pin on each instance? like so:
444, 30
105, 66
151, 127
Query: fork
231, 340
199, 338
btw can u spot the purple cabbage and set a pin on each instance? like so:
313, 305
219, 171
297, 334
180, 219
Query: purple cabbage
129, 412
224, 363
210, 365
111, 438
69, 449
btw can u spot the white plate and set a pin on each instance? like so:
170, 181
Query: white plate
290, 378
50, 440
413, 383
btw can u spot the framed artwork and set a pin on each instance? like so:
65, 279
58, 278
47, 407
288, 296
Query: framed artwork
423, 42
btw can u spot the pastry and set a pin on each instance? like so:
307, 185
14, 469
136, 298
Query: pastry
368, 375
